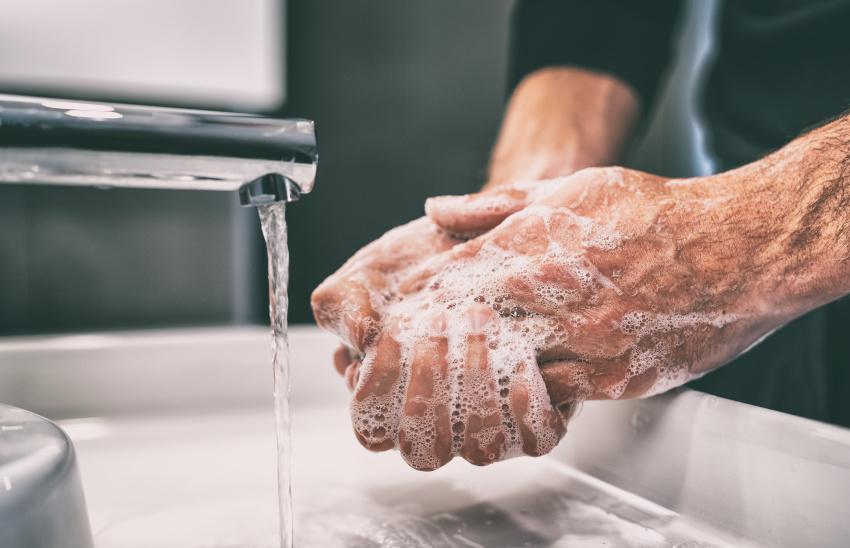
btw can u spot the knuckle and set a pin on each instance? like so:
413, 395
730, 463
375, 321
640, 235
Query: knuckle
479, 459
423, 467
373, 438
410, 447
325, 302
363, 330
318, 301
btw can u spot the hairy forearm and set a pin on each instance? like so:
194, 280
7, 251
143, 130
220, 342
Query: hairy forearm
793, 220
560, 120
816, 168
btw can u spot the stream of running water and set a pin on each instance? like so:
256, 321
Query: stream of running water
273, 222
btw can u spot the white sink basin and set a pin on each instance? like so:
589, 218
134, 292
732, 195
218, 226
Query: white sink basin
175, 439
210, 481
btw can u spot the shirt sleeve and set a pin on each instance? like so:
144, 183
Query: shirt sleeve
627, 39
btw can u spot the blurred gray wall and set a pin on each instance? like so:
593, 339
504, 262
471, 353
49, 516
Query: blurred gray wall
89, 259
407, 97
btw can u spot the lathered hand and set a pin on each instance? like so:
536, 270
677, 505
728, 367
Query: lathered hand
606, 284
351, 302
619, 283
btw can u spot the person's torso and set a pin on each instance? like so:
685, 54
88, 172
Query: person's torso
781, 67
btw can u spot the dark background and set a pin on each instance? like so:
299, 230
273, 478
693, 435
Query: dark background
407, 97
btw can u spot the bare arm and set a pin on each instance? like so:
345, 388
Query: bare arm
607, 284
560, 120
717, 261
796, 205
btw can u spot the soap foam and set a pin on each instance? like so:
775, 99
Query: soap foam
490, 276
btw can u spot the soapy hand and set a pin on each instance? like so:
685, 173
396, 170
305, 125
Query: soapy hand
351, 301
620, 284
607, 284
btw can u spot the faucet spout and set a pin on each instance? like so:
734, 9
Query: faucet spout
51, 141
269, 189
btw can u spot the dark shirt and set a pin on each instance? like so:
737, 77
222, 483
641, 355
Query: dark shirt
780, 67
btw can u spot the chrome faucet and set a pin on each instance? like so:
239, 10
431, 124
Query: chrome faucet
63, 142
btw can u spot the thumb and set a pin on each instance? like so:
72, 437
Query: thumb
479, 212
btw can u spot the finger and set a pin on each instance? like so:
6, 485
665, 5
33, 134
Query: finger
475, 213
342, 359
484, 439
374, 407
425, 437
350, 302
520, 406
567, 382
610, 378
352, 375
343, 305
538, 424
404, 247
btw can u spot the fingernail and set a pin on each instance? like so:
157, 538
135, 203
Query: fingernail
438, 324
479, 315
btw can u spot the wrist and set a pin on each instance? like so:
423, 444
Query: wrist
729, 232
810, 176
